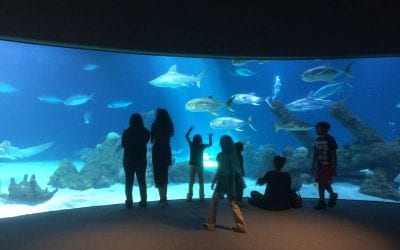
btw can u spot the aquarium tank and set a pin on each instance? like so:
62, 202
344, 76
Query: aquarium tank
63, 111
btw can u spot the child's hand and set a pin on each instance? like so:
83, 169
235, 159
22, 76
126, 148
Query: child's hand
258, 181
213, 186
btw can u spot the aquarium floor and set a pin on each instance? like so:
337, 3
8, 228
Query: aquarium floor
350, 225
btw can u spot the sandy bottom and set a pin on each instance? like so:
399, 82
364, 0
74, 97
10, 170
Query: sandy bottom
67, 198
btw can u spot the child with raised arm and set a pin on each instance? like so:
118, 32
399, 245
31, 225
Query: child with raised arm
196, 162
324, 164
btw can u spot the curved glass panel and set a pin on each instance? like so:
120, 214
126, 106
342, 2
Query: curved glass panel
63, 111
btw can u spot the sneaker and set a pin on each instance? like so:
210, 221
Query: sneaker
320, 205
201, 199
332, 200
189, 198
163, 203
239, 229
143, 204
208, 227
128, 204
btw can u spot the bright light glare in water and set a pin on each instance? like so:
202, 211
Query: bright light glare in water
209, 160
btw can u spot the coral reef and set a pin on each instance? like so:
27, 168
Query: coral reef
377, 184
27, 192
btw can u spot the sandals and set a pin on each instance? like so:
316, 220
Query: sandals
208, 227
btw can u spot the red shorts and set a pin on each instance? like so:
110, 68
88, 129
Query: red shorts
324, 175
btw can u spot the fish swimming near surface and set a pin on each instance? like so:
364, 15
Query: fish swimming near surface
243, 72
7, 151
87, 118
50, 99
118, 104
7, 88
78, 99
308, 104
227, 122
240, 62
329, 90
294, 126
174, 79
325, 73
250, 98
207, 104
90, 67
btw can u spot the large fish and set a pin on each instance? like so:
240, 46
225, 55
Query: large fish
50, 99
118, 104
174, 79
207, 104
7, 151
243, 72
294, 126
308, 104
325, 73
7, 88
329, 90
78, 99
227, 122
90, 67
250, 98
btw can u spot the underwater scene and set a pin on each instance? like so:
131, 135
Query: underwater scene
63, 110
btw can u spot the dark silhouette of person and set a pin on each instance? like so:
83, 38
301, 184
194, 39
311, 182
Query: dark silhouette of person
239, 150
229, 180
277, 192
134, 141
324, 164
196, 162
162, 130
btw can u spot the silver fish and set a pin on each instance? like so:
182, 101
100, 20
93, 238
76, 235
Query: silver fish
243, 72
50, 99
78, 99
307, 104
325, 73
227, 122
294, 126
329, 90
174, 79
118, 104
7, 88
207, 104
250, 98
90, 67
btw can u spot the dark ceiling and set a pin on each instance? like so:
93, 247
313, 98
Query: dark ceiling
280, 29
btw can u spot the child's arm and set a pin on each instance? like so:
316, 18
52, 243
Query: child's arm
209, 140
188, 134
314, 164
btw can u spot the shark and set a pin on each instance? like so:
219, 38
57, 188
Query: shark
308, 103
173, 79
7, 151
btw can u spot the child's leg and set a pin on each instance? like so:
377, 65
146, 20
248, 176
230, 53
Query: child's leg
329, 189
212, 215
192, 173
321, 191
237, 216
201, 183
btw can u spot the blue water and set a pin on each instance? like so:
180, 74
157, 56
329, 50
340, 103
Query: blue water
37, 70
43, 70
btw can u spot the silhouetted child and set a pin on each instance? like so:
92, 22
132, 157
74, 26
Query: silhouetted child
196, 162
229, 180
276, 196
324, 164
239, 149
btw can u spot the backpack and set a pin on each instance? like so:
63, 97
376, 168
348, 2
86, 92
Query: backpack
295, 199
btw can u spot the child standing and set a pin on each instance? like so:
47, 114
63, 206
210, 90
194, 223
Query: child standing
229, 180
196, 162
324, 164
